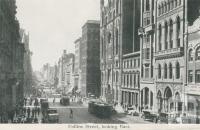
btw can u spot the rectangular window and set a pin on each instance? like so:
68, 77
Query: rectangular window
197, 75
190, 106
146, 72
190, 76
147, 53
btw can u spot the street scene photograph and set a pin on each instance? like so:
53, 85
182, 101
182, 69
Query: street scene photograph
100, 62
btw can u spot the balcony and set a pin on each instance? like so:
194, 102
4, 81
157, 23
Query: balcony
174, 52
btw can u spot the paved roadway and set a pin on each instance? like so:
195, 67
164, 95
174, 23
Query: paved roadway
81, 115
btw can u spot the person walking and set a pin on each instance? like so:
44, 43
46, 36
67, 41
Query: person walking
28, 112
71, 113
33, 113
38, 111
54, 100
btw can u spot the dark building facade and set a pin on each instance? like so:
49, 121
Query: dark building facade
89, 60
11, 61
120, 21
24, 38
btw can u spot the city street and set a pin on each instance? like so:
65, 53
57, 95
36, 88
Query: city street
81, 115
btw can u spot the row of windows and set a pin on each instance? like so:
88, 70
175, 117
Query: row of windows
168, 71
197, 54
167, 41
132, 63
168, 5
131, 80
111, 14
197, 76
114, 79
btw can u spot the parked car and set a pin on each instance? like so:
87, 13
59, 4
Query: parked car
132, 111
52, 115
65, 101
150, 116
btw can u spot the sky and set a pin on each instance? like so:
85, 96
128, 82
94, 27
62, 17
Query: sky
54, 25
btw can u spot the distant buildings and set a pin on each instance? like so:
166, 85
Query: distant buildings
65, 72
28, 81
77, 64
11, 61
90, 62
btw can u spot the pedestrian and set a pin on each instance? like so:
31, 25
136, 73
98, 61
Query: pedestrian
32, 113
38, 110
54, 100
71, 113
28, 112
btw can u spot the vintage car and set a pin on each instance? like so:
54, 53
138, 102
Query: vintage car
100, 109
52, 115
132, 111
65, 101
150, 116
167, 118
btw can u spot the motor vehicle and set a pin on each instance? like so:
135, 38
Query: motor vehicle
150, 116
132, 111
167, 118
52, 116
65, 101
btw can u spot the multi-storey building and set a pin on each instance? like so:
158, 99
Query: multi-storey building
169, 55
77, 63
130, 88
63, 71
27, 63
192, 43
90, 68
11, 61
119, 24
147, 40
69, 73
167, 72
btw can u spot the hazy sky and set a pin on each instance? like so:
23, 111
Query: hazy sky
54, 25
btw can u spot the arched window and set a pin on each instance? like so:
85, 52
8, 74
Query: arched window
113, 76
117, 76
165, 71
160, 37
159, 10
190, 57
172, 4
169, 5
170, 71
178, 26
166, 7
117, 6
127, 80
177, 70
117, 41
171, 33
147, 5
175, 3
159, 71
166, 35
179, 2
131, 80
109, 37
198, 53
162, 8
